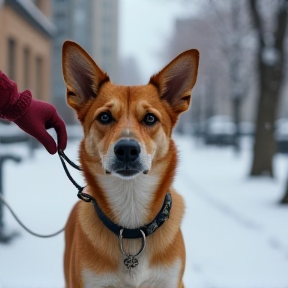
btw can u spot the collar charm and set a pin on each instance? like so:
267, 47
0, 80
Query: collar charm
131, 261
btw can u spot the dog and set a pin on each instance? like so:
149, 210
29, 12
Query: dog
130, 236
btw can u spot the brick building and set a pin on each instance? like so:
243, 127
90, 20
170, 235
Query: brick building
25, 44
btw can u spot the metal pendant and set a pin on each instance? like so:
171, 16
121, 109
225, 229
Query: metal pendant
131, 261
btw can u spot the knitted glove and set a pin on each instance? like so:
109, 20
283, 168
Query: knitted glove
12, 104
31, 115
39, 117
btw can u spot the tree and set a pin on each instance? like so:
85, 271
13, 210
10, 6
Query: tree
270, 33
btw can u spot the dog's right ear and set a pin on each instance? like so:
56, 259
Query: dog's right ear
176, 80
81, 75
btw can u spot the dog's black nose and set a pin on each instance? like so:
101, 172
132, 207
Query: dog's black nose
127, 150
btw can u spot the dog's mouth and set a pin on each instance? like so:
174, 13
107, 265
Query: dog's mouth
126, 172
125, 169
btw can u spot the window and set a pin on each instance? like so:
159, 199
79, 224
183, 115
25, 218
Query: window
26, 66
39, 77
11, 58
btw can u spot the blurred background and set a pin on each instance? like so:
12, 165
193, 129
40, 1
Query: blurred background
233, 140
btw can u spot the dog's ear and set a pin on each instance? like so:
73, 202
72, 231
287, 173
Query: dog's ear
81, 75
176, 80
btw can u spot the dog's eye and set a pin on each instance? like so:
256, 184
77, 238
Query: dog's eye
105, 118
150, 119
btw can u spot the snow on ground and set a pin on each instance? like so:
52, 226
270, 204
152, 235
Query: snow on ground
236, 235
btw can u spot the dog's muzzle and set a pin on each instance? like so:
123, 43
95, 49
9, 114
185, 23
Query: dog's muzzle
127, 160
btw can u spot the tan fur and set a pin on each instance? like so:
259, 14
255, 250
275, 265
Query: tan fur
92, 249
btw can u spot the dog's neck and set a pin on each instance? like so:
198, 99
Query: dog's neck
130, 200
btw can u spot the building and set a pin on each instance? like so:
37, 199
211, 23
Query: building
25, 44
93, 24
213, 92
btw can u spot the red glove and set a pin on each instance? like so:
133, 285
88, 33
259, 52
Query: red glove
39, 117
31, 115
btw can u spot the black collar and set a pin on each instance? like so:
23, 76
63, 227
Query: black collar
148, 229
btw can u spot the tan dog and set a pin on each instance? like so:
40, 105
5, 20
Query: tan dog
128, 160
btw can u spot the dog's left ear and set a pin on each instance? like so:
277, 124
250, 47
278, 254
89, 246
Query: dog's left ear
176, 80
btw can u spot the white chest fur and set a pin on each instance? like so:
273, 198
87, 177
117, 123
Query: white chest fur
142, 277
129, 199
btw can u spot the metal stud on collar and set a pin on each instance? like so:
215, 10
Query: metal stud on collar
131, 261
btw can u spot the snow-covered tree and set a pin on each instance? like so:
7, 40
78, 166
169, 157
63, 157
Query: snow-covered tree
270, 24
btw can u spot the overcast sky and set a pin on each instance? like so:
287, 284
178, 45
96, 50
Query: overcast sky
144, 27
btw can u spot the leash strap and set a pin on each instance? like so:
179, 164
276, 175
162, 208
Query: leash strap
24, 227
62, 156
82, 196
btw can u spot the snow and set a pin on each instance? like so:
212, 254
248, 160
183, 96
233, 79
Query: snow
11, 130
235, 232
281, 129
220, 124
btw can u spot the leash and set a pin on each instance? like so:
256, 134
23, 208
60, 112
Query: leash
25, 227
81, 195
62, 156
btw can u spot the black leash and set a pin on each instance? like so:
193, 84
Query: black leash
82, 196
62, 156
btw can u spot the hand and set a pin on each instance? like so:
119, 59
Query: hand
39, 117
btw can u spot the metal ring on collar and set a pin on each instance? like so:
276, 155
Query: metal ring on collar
140, 251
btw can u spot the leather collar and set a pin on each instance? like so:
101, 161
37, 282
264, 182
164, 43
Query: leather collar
148, 229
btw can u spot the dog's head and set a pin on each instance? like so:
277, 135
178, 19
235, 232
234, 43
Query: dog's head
127, 129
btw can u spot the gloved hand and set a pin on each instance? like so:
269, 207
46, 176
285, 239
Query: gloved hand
39, 117
32, 116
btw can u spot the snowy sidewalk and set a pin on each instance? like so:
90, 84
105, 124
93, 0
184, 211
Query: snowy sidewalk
236, 235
